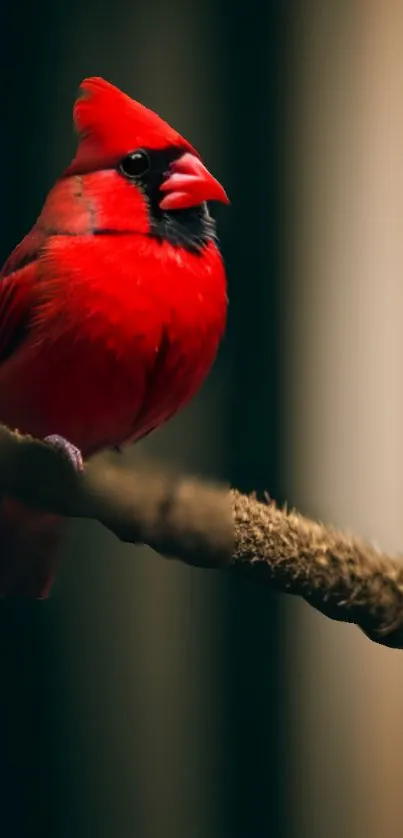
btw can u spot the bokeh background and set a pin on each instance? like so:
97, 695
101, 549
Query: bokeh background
150, 699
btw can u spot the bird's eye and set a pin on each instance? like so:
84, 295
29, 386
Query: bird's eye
135, 164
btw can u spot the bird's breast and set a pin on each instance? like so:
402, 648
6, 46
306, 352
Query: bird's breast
125, 334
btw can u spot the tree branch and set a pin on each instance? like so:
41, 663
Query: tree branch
209, 526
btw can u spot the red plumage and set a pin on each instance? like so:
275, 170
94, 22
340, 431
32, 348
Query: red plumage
110, 124
111, 310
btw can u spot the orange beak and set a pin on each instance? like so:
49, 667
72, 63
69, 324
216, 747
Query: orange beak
189, 184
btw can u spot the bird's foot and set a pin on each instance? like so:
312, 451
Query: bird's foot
72, 453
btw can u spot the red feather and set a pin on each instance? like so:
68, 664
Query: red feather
110, 124
105, 332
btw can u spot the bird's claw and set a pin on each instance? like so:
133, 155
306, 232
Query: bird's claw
72, 453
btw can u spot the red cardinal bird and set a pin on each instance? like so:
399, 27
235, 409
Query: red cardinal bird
112, 307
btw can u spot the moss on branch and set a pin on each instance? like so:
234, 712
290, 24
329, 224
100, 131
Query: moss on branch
211, 526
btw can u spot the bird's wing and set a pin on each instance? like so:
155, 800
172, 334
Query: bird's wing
17, 278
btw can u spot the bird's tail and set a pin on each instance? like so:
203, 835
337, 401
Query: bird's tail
29, 541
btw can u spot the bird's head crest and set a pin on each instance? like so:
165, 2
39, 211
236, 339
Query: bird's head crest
110, 125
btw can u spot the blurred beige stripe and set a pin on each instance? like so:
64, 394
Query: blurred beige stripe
345, 399
151, 656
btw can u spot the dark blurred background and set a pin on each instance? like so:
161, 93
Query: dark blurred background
147, 698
